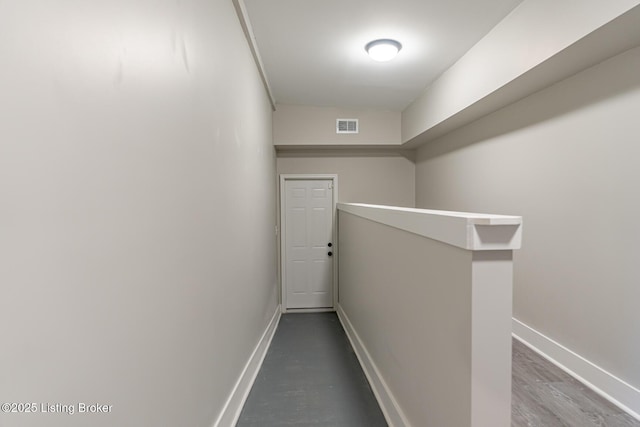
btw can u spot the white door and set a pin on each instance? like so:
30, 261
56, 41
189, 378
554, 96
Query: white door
308, 246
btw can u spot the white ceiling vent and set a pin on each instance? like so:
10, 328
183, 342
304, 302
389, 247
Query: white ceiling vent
347, 126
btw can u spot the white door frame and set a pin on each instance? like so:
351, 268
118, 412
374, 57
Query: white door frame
334, 234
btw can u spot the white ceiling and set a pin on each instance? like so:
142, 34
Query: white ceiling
313, 50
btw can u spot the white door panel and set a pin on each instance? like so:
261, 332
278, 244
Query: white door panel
308, 227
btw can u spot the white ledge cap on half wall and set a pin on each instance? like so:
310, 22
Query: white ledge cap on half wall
471, 231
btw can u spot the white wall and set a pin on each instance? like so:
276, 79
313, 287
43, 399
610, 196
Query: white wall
566, 159
135, 145
376, 177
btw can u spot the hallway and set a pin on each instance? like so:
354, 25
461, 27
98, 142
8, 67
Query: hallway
311, 377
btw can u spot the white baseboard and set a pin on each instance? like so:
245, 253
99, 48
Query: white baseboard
233, 407
390, 408
602, 382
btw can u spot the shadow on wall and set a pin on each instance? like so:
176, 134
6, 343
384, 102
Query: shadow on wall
568, 96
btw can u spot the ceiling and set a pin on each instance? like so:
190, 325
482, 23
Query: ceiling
313, 50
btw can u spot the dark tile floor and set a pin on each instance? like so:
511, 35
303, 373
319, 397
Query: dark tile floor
311, 377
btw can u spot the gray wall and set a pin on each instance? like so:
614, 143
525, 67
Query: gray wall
365, 176
566, 159
135, 151
309, 125
412, 313
516, 58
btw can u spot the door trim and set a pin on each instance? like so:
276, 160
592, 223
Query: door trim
334, 233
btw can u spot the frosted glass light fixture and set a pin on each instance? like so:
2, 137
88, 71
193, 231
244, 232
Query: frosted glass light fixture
383, 50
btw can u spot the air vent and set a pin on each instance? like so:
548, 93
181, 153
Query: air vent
347, 126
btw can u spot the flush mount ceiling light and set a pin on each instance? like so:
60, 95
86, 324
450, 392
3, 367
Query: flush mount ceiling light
383, 50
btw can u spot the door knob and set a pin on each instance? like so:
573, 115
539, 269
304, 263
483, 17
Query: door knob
330, 244
330, 253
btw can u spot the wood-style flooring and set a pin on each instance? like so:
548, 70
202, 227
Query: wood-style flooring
543, 395
311, 377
